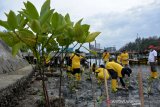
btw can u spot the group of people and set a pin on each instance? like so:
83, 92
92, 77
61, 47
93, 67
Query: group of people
114, 68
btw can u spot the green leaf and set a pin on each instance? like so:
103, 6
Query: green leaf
12, 20
16, 48
52, 46
91, 37
79, 33
42, 39
46, 28
85, 28
6, 38
68, 20
79, 22
45, 7
26, 33
31, 10
23, 23
91, 51
25, 14
62, 23
46, 16
35, 26
29, 41
63, 40
4, 24
55, 19
58, 22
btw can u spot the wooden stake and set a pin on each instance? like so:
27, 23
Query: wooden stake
141, 87
106, 87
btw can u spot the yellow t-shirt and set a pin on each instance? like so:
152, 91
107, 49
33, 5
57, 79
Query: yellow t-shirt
75, 61
119, 59
124, 58
115, 66
101, 71
105, 56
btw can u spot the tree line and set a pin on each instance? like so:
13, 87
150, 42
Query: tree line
141, 44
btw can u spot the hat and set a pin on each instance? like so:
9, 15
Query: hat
102, 66
126, 71
151, 47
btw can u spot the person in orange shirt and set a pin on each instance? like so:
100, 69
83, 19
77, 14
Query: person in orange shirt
124, 58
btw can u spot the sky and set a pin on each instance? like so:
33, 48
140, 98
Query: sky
119, 21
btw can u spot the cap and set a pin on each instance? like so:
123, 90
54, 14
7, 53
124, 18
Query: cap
151, 47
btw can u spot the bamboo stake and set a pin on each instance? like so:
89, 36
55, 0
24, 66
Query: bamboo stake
92, 79
141, 87
106, 87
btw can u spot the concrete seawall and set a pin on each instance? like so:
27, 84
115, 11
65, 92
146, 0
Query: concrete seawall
13, 84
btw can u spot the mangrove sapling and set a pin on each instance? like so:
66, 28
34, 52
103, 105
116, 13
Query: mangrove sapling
100, 99
149, 83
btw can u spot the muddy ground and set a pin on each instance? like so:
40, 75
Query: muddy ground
88, 93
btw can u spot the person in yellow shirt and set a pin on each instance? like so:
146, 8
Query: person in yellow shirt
68, 65
124, 58
93, 67
100, 73
119, 58
105, 56
116, 70
76, 58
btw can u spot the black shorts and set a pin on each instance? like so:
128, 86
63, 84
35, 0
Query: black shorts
113, 74
76, 70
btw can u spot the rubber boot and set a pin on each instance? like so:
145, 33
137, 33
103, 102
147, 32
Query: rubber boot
152, 74
114, 85
155, 75
78, 76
